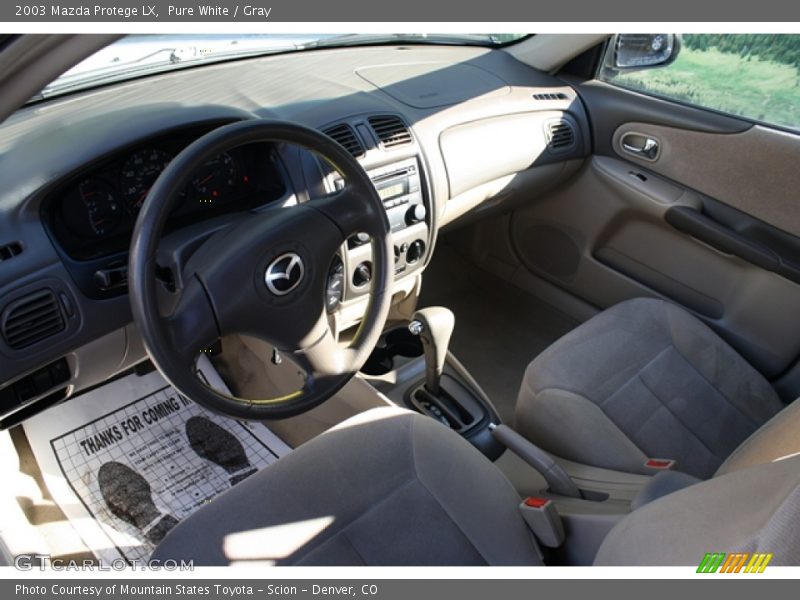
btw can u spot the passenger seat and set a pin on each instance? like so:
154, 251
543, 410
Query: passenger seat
647, 380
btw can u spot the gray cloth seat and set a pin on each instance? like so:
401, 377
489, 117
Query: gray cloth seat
388, 487
392, 487
645, 379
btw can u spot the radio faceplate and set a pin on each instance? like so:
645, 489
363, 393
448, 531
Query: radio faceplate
400, 188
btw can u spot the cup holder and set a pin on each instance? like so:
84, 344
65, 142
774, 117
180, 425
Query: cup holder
395, 342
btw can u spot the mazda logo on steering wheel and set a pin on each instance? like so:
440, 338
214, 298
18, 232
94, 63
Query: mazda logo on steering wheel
284, 274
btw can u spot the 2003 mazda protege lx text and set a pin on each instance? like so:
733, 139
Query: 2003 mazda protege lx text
401, 299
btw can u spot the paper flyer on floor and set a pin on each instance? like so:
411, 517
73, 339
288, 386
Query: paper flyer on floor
152, 457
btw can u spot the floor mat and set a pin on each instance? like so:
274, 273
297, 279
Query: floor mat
127, 461
499, 328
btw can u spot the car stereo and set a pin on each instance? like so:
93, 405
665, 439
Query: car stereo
399, 187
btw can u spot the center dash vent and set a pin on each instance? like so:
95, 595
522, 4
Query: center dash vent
550, 96
391, 131
345, 136
31, 319
560, 135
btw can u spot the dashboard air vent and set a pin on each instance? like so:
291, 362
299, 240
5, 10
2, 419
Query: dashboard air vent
10, 250
391, 131
345, 136
560, 135
550, 96
31, 319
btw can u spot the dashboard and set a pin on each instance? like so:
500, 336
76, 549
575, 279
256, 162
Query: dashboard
445, 134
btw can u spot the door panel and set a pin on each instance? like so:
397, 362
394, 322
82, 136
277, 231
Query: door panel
619, 106
756, 171
614, 224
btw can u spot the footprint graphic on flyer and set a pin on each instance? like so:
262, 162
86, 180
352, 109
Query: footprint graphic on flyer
129, 497
219, 446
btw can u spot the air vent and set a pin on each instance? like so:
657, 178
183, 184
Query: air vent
344, 135
10, 250
31, 319
550, 96
391, 131
560, 135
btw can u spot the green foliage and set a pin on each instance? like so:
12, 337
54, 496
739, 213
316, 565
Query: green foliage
782, 49
753, 75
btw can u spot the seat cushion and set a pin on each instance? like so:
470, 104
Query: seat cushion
643, 379
388, 487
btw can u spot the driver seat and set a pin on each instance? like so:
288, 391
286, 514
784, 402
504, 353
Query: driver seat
392, 487
386, 487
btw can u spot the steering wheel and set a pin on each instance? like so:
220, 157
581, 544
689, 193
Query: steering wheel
264, 276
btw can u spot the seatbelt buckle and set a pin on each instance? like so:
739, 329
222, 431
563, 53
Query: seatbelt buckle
543, 520
660, 464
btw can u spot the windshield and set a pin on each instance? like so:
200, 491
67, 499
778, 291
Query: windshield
138, 55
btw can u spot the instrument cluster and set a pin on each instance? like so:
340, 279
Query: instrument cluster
94, 213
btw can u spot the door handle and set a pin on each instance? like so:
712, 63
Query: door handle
641, 146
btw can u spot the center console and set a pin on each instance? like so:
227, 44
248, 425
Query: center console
386, 147
412, 366
400, 187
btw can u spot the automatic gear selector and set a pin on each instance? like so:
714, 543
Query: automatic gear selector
434, 326
448, 394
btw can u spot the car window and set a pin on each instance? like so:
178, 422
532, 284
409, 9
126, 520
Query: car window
756, 76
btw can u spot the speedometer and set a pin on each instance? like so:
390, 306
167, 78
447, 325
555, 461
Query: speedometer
139, 173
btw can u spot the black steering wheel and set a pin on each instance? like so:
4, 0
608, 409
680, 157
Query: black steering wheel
263, 276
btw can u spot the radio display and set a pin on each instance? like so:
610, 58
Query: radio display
397, 189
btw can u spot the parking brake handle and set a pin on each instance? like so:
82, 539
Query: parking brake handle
558, 481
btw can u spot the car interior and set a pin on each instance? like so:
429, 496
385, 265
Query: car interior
501, 306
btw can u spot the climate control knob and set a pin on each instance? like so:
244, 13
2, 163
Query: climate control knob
362, 274
415, 251
415, 214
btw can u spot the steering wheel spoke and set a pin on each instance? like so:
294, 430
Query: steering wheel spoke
192, 326
326, 361
352, 212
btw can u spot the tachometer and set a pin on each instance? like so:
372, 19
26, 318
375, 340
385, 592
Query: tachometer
101, 210
215, 178
139, 173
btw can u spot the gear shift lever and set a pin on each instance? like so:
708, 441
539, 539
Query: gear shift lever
434, 326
